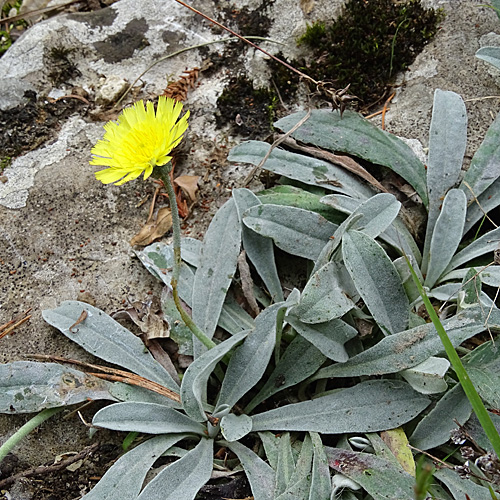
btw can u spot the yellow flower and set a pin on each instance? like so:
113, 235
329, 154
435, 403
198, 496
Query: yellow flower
139, 141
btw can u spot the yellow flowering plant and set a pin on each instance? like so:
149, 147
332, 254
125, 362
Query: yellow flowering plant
140, 142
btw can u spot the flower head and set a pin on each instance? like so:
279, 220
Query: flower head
140, 140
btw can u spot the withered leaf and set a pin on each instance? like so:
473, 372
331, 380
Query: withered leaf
154, 228
189, 185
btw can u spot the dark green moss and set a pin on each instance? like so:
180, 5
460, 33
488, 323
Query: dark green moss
368, 44
63, 69
249, 111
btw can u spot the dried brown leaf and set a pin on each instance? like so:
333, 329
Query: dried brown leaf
153, 229
189, 185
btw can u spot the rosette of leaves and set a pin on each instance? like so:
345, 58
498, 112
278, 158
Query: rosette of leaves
333, 355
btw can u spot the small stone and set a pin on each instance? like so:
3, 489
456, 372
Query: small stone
111, 89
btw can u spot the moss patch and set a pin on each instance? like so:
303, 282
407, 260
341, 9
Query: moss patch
249, 111
369, 43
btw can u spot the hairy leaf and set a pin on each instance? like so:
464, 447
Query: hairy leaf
382, 479
490, 55
300, 360
218, 258
446, 236
329, 337
259, 249
320, 478
149, 418
367, 407
105, 338
447, 142
28, 386
250, 360
194, 382
260, 475
183, 479
234, 427
434, 429
123, 481
296, 231
301, 168
323, 298
353, 134
409, 348
484, 168
377, 281
292, 196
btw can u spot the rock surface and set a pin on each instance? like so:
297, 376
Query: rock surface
66, 236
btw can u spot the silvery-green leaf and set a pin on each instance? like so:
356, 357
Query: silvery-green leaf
292, 196
484, 168
446, 236
488, 275
190, 250
446, 292
218, 259
296, 231
286, 464
301, 168
126, 392
471, 289
260, 475
371, 217
106, 339
123, 481
409, 348
434, 429
428, 376
149, 418
367, 407
233, 318
461, 487
183, 479
487, 243
447, 142
194, 382
158, 259
483, 368
234, 427
328, 337
396, 234
299, 484
179, 332
320, 477
486, 202
259, 249
409, 285
250, 360
300, 360
28, 386
380, 478
353, 134
323, 298
377, 281
270, 442
490, 55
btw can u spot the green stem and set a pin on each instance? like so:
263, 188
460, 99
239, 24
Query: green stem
26, 429
176, 268
465, 381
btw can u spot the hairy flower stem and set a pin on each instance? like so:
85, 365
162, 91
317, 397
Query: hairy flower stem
164, 172
30, 425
